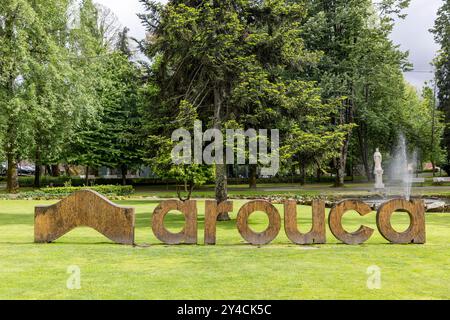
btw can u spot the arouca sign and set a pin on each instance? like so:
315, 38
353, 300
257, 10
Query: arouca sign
88, 208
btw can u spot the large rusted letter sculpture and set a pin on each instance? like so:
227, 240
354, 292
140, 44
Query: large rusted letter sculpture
90, 209
335, 222
189, 233
274, 222
317, 235
84, 208
416, 232
212, 211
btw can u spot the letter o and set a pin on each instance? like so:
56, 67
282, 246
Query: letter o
270, 233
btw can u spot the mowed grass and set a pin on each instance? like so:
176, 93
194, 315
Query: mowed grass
229, 270
207, 192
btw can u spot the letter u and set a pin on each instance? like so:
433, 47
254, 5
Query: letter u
317, 235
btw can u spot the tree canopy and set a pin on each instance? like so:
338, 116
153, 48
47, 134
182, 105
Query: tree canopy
325, 74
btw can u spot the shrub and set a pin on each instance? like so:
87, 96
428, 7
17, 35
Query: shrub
64, 181
106, 190
441, 184
446, 168
61, 192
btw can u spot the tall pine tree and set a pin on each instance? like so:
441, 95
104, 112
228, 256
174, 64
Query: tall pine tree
441, 31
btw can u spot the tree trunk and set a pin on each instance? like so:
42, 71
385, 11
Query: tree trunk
38, 176
252, 176
38, 167
86, 178
340, 164
67, 169
362, 139
340, 172
222, 189
221, 169
12, 179
318, 171
346, 116
55, 170
124, 171
351, 170
302, 174
364, 148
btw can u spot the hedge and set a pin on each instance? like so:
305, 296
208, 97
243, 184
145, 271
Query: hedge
61, 192
62, 181
104, 189
46, 181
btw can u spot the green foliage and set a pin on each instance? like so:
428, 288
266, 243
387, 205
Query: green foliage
57, 94
161, 162
47, 181
111, 141
45, 88
236, 62
441, 32
106, 190
325, 73
109, 136
89, 43
393, 7
20, 33
422, 124
61, 192
363, 68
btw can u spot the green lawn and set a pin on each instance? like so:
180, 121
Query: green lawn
282, 190
229, 270
351, 190
233, 191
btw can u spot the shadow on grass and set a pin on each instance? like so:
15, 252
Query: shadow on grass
63, 243
176, 220
158, 245
139, 203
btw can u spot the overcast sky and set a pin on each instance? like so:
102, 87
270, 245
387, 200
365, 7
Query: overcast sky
412, 33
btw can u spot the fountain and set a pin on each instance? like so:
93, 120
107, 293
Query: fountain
401, 169
401, 173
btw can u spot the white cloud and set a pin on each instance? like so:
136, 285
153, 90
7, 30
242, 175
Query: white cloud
413, 34
127, 11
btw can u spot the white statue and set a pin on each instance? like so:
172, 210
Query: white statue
378, 158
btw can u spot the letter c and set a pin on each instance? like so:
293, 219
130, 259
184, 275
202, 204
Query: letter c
335, 222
